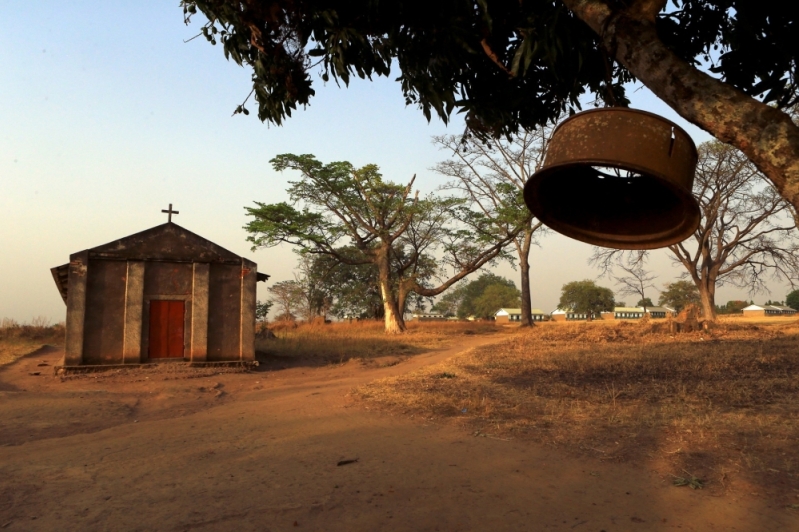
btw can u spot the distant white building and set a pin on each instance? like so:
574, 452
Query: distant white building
428, 316
510, 315
628, 313
635, 313
768, 310
660, 312
567, 315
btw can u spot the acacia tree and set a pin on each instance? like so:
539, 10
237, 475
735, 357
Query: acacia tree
288, 296
402, 236
509, 64
493, 175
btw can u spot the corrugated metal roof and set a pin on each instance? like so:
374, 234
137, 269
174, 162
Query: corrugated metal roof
519, 311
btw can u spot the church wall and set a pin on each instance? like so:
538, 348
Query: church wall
76, 308
105, 312
249, 279
167, 278
224, 312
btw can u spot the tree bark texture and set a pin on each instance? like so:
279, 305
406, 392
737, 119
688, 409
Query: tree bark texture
766, 135
707, 292
394, 322
524, 266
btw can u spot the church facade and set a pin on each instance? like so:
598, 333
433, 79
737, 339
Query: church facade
162, 294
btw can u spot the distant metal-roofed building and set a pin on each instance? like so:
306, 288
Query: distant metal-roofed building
659, 312
628, 313
568, 315
428, 316
768, 310
513, 315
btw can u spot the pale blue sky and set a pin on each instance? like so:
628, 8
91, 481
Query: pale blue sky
108, 116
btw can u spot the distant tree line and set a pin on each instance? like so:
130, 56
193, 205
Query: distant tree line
480, 298
370, 248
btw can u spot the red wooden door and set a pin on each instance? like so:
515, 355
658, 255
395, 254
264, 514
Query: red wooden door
166, 329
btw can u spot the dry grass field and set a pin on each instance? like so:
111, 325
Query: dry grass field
715, 409
18, 339
261, 449
364, 340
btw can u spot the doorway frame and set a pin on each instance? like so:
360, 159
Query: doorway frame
145, 348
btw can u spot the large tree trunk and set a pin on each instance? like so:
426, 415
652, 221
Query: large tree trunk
402, 297
394, 321
395, 324
766, 135
524, 266
707, 293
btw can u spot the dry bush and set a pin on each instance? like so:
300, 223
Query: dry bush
282, 325
713, 403
18, 339
341, 341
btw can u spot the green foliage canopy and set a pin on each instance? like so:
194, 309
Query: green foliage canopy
355, 217
354, 290
792, 300
505, 63
480, 298
262, 309
495, 297
508, 64
733, 307
679, 294
586, 297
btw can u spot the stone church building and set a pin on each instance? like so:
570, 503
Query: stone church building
162, 294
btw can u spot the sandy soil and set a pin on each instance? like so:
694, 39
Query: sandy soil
170, 450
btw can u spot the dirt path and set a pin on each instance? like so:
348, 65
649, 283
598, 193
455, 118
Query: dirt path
259, 451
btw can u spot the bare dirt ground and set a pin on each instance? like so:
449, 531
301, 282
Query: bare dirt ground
171, 450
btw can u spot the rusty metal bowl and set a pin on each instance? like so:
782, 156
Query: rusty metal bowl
618, 178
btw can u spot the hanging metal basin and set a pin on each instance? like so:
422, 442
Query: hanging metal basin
618, 178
